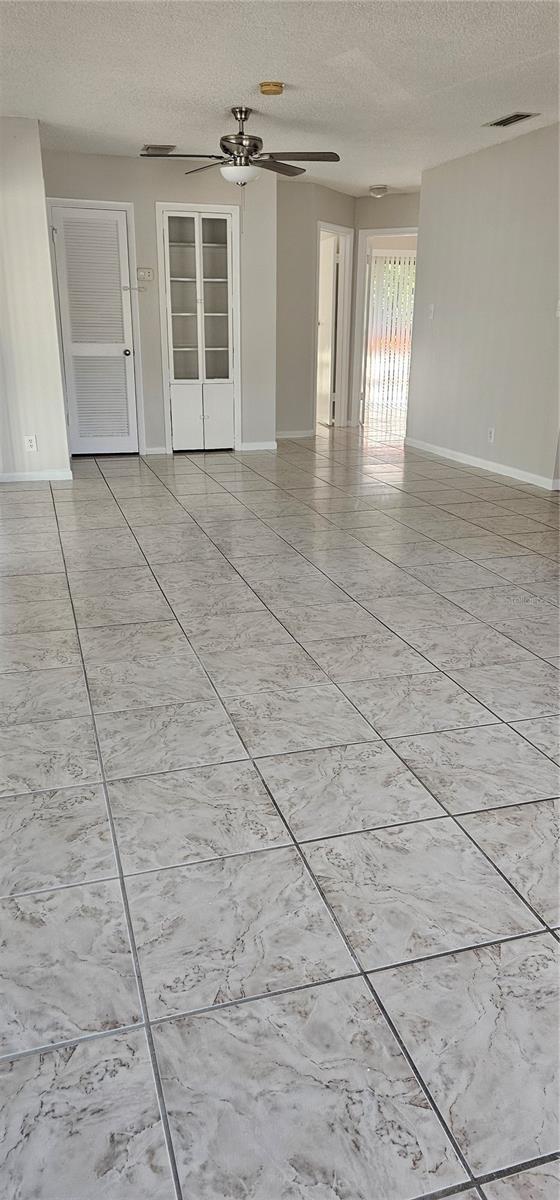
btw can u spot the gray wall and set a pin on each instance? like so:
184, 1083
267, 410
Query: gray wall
31, 396
143, 183
390, 212
300, 207
488, 262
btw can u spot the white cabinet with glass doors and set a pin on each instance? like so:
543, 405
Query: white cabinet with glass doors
198, 312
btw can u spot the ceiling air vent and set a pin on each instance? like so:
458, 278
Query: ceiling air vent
513, 119
158, 149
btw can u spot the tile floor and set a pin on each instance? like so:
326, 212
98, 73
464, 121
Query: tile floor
278, 790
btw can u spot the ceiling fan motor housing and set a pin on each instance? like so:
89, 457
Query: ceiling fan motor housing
242, 146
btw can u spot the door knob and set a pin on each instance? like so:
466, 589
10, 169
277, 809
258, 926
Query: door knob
127, 353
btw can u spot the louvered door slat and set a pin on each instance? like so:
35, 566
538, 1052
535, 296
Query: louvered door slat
94, 280
94, 288
101, 397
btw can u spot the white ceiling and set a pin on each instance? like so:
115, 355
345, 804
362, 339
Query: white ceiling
394, 86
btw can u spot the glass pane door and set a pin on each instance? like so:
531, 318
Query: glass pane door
183, 292
216, 284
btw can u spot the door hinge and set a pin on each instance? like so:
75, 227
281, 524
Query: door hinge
54, 232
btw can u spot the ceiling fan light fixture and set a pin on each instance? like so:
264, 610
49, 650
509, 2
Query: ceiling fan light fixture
239, 173
378, 190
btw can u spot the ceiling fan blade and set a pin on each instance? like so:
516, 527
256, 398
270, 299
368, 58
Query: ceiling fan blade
308, 156
217, 157
279, 168
207, 167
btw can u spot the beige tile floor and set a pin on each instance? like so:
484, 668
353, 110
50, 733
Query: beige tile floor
278, 799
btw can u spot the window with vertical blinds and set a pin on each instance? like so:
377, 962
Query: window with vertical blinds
388, 332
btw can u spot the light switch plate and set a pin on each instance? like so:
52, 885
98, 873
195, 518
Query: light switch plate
145, 274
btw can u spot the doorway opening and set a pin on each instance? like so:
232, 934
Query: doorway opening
334, 283
390, 269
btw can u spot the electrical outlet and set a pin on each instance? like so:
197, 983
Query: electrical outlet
491, 435
30, 443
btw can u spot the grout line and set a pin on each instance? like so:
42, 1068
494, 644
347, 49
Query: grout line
512, 724
113, 779
48, 1047
454, 816
241, 1001
46, 889
364, 977
518, 1168
133, 949
180, 864
453, 952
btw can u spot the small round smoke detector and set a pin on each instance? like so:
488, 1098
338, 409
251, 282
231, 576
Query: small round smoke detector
271, 87
378, 190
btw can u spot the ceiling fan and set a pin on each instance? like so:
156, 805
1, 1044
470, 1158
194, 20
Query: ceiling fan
242, 156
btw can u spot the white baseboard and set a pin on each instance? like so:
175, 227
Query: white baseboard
156, 450
486, 464
296, 433
256, 446
36, 476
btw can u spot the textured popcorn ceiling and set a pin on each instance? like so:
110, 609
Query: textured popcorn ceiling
394, 87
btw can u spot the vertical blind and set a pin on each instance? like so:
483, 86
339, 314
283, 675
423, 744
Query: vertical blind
388, 331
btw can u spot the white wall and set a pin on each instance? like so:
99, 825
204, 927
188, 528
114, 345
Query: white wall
31, 396
488, 262
143, 182
300, 207
395, 243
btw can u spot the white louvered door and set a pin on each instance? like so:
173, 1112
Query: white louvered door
91, 255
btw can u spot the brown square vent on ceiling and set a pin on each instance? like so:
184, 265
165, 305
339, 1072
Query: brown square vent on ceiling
512, 119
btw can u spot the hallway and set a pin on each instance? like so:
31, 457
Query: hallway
278, 775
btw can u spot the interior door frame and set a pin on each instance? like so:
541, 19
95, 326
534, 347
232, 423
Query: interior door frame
346, 235
328, 259
232, 210
128, 208
359, 312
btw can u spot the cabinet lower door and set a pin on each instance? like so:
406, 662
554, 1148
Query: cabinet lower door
218, 416
187, 416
